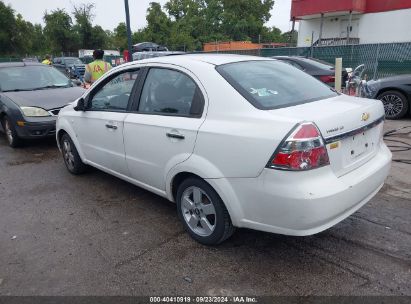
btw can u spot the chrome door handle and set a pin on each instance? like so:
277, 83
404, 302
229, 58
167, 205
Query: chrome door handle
109, 126
175, 135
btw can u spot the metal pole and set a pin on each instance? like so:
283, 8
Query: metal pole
321, 29
128, 30
349, 28
312, 44
292, 32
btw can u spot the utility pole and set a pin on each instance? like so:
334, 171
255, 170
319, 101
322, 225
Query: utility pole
128, 30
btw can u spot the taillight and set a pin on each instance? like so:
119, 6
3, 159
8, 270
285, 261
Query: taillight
303, 150
327, 79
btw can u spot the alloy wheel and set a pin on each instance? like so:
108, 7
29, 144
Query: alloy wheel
198, 211
9, 132
68, 154
393, 105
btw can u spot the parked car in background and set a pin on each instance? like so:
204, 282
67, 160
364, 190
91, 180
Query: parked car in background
31, 96
394, 92
321, 70
147, 55
234, 141
148, 47
69, 65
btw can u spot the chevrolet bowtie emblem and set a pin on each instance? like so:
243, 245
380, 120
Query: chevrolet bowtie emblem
365, 116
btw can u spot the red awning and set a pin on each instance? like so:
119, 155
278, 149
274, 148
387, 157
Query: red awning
301, 9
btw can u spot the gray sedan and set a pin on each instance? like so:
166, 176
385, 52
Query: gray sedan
31, 96
394, 92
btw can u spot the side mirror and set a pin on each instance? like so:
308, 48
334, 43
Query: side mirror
81, 105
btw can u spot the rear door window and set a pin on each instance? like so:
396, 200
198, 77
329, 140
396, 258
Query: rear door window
273, 84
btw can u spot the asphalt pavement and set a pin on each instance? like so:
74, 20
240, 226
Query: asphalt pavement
98, 235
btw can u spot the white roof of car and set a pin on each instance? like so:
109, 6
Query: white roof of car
210, 58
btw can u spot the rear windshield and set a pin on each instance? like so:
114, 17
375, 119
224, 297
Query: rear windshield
319, 64
273, 84
73, 61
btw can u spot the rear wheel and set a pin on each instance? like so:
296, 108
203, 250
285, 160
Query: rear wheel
12, 138
71, 157
395, 104
203, 213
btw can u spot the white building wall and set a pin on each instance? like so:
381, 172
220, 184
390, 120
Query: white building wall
332, 28
393, 26
386, 27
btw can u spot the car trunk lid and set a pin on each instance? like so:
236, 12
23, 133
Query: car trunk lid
351, 127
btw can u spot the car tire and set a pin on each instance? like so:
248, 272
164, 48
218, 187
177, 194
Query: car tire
396, 105
72, 159
13, 139
202, 212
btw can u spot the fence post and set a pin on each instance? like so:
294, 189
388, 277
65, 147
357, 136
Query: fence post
338, 74
312, 44
376, 61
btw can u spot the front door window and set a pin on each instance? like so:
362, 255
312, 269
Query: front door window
115, 94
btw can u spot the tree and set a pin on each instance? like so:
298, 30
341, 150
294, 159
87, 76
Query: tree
180, 25
7, 28
158, 24
272, 34
39, 43
98, 38
120, 36
83, 14
58, 31
291, 37
23, 36
179, 9
190, 23
245, 19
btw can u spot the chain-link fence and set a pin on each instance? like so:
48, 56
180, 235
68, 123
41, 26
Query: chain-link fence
380, 60
10, 59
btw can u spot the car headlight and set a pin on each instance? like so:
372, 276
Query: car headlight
34, 112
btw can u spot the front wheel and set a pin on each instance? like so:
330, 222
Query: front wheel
395, 104
203, 213
12, 138
71, 157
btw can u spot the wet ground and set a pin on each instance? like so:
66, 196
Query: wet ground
97, 235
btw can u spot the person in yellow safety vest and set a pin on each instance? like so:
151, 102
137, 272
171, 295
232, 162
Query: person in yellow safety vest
47, 60
97, 68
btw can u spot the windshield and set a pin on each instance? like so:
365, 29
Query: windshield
27, 78
70, 61
274, 84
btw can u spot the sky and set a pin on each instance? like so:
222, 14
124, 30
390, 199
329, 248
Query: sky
108, 15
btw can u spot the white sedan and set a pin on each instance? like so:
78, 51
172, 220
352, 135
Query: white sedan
234, 141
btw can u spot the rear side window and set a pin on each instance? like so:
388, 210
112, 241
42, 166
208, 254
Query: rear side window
273, 84
169, 92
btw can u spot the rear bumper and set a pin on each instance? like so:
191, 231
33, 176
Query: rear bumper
37, 129
303, 203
